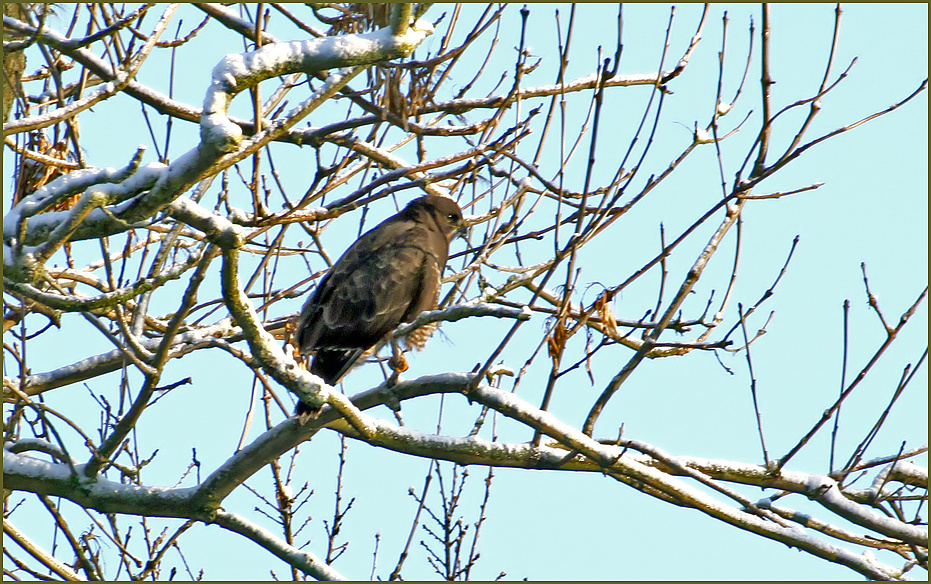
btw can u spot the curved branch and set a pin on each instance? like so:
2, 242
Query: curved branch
220, 137
26, 473
74, 303
305, 561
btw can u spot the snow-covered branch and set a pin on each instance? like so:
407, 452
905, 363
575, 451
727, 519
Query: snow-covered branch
304, 561
572, 451
547, 162
22, 472
108, 209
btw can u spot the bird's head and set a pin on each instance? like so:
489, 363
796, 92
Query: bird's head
444, 211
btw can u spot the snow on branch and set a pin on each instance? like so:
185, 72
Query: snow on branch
303, 560
27, 473
237, 72
30, 239
110, 361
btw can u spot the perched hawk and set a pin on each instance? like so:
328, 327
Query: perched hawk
389, 276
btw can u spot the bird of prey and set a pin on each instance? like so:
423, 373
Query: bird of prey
387, 277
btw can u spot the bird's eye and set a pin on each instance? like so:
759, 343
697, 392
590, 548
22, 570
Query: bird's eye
452, 217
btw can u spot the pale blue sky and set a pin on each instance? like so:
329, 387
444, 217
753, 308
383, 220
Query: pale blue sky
549, 525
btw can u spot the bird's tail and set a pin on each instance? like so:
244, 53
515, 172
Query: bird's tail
330, 365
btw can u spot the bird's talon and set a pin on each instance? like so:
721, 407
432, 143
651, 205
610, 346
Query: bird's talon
398, 363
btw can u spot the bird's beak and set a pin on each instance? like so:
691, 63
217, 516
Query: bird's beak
463, 232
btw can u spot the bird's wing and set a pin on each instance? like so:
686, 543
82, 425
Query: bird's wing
388, 276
